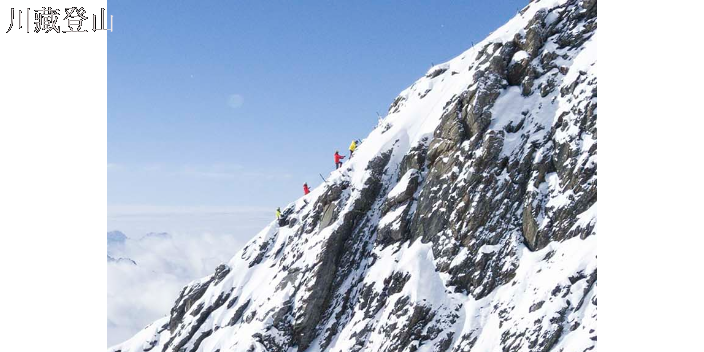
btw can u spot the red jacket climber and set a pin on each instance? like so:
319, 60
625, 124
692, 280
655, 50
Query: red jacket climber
306, 190
338, 158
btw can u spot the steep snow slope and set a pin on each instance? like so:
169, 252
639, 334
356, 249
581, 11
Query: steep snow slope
465, 221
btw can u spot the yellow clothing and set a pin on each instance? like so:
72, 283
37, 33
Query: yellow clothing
353, 146
278, 214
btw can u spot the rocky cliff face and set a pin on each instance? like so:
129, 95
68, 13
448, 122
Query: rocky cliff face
466, 221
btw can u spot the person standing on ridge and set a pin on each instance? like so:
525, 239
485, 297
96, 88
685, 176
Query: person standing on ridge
306, 190
278, 213
338, 159
353, 147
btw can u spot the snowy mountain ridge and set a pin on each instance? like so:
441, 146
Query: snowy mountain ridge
466, 221
121, 260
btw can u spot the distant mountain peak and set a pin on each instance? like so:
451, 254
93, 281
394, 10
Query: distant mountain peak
121, 260
116, 237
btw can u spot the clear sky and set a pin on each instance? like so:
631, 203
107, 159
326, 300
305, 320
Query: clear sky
237, 103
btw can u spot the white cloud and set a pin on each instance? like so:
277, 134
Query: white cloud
235, 101
134, 220
201, 238
141, 293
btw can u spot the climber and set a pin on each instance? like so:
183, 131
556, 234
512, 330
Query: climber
280, 218
306, 190
353, 146
338, 158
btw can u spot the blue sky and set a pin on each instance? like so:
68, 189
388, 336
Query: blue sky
237, 103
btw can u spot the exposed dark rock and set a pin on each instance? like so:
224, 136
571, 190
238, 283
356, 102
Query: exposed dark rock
191, 294
414, 159
308, 316
406, 194
436, 72
187, 332
238, 313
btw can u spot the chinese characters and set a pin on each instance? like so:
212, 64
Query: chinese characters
49, 20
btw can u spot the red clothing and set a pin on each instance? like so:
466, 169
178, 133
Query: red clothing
306, 190
338, 157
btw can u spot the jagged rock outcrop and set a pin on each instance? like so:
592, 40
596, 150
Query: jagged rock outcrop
466, 220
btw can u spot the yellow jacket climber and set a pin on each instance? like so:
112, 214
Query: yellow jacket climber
278, 213
353, 146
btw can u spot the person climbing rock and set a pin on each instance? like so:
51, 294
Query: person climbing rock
353, 147
306, 190
338, 159
279, 218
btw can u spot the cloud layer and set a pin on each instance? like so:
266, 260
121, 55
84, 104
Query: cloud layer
240, 222
139, 294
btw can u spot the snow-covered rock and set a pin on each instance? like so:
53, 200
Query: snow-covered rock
466, 221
